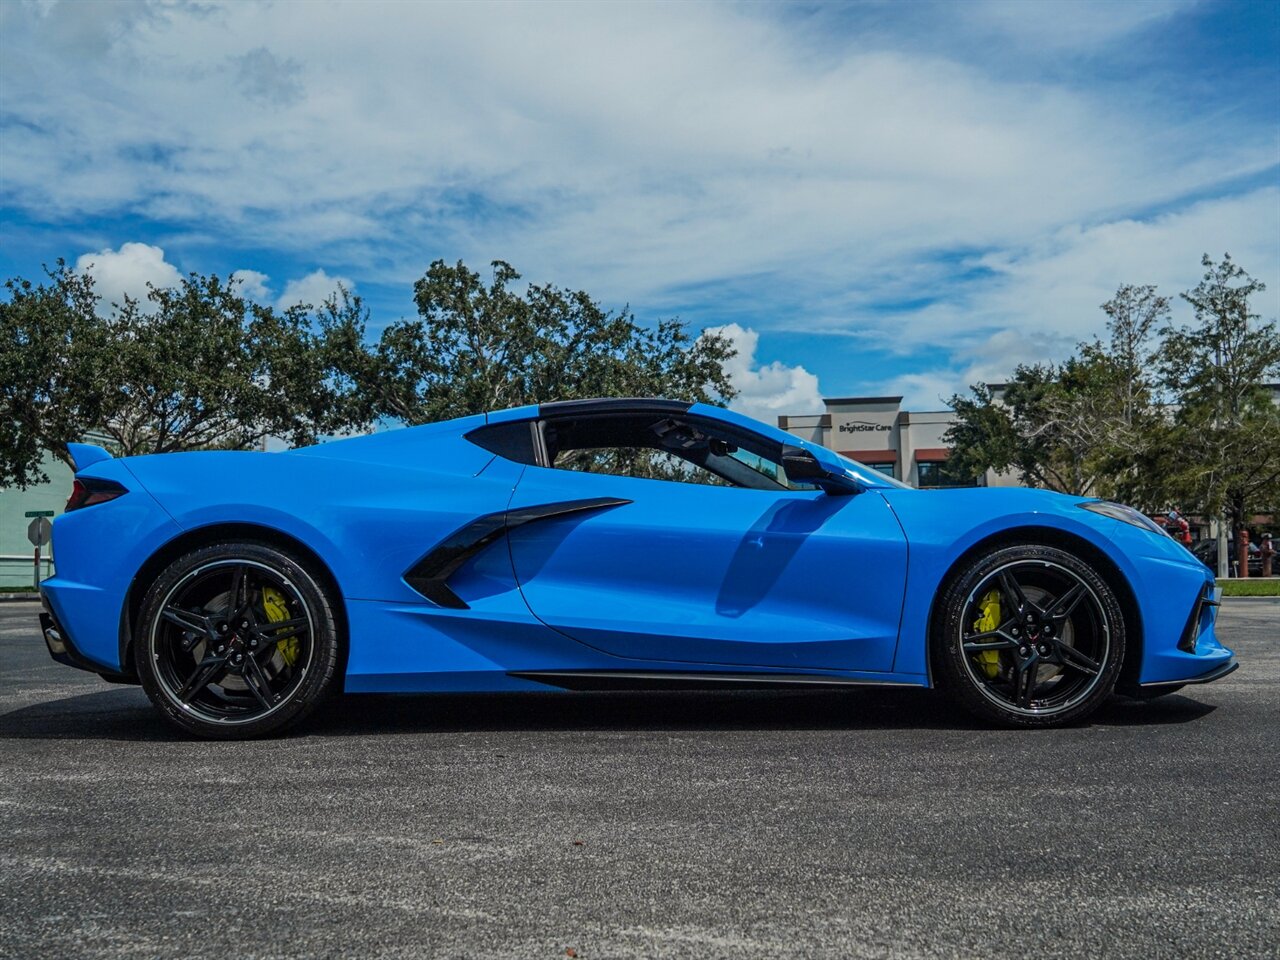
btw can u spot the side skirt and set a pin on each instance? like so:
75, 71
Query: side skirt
651, 680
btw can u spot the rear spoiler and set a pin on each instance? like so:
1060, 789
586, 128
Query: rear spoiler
86, 454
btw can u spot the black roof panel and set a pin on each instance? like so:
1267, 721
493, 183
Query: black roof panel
560, 408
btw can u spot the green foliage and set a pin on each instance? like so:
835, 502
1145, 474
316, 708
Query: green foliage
1226, 450
1009, 430
191, 367
198, 366
1254, 587
475, 347
1073, 427
52, 356
1156, 415
1133, 433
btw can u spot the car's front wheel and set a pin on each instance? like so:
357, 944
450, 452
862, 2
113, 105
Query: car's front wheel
237, 640
1029, 635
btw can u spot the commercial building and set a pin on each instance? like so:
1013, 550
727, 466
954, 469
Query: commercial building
16, 553
902, 444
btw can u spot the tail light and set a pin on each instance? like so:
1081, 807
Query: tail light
88, 491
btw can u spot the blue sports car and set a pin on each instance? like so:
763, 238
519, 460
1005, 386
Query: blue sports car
604, 544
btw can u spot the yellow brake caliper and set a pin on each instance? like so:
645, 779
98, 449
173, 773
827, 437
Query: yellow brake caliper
277, 609
988, 660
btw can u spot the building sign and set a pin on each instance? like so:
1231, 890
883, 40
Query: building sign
864, 426
909, 446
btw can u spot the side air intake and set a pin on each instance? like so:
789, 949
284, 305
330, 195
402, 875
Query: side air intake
430, 575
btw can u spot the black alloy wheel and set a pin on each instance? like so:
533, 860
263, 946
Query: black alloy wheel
236, 640
1029, 635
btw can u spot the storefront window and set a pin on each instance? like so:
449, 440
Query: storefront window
930, 474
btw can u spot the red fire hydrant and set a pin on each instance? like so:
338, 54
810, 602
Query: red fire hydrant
1242, 552
1268, 551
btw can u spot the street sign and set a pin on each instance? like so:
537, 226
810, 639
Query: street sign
38, 513
38, 531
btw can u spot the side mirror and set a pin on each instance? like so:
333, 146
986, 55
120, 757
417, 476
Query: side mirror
800, 464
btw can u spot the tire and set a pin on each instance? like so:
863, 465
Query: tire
237, 640
1028, 636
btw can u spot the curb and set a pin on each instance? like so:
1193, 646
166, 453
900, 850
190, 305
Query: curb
19, 597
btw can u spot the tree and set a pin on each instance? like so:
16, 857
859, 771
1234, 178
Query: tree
52, 353
1185, 421
1131, 426
1094, 425
204, 367
1224, 450
1046, 424
194, 366
475, 347
984, 438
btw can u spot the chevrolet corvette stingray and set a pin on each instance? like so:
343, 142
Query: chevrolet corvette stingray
620, 543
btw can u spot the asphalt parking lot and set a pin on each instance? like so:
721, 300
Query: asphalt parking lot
810, 824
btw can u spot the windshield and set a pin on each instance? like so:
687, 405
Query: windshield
858, 471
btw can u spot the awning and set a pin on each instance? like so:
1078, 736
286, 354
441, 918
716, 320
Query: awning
871, 456
933, 453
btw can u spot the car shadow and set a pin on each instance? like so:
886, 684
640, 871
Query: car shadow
118, 713
125, 714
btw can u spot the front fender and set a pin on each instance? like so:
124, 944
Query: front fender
1164, 579
941, 526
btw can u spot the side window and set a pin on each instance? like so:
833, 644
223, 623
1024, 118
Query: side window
771, 469
512, 441
643, 462
661, 447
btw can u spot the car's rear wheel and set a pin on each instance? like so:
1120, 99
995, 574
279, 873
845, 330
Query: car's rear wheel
237, 640
1029, 635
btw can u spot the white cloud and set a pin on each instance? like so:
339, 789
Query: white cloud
1045, 298
1062, 277
253, 285
261, 75
128, 270
766, 390
314, 289
643, 151
1057, 24
989, 359
630, 149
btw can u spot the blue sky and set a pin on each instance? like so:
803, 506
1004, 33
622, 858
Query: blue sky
874, 197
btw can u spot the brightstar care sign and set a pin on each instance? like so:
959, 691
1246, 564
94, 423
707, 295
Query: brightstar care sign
864, 426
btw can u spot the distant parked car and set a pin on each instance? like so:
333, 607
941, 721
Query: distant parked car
1206, 551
